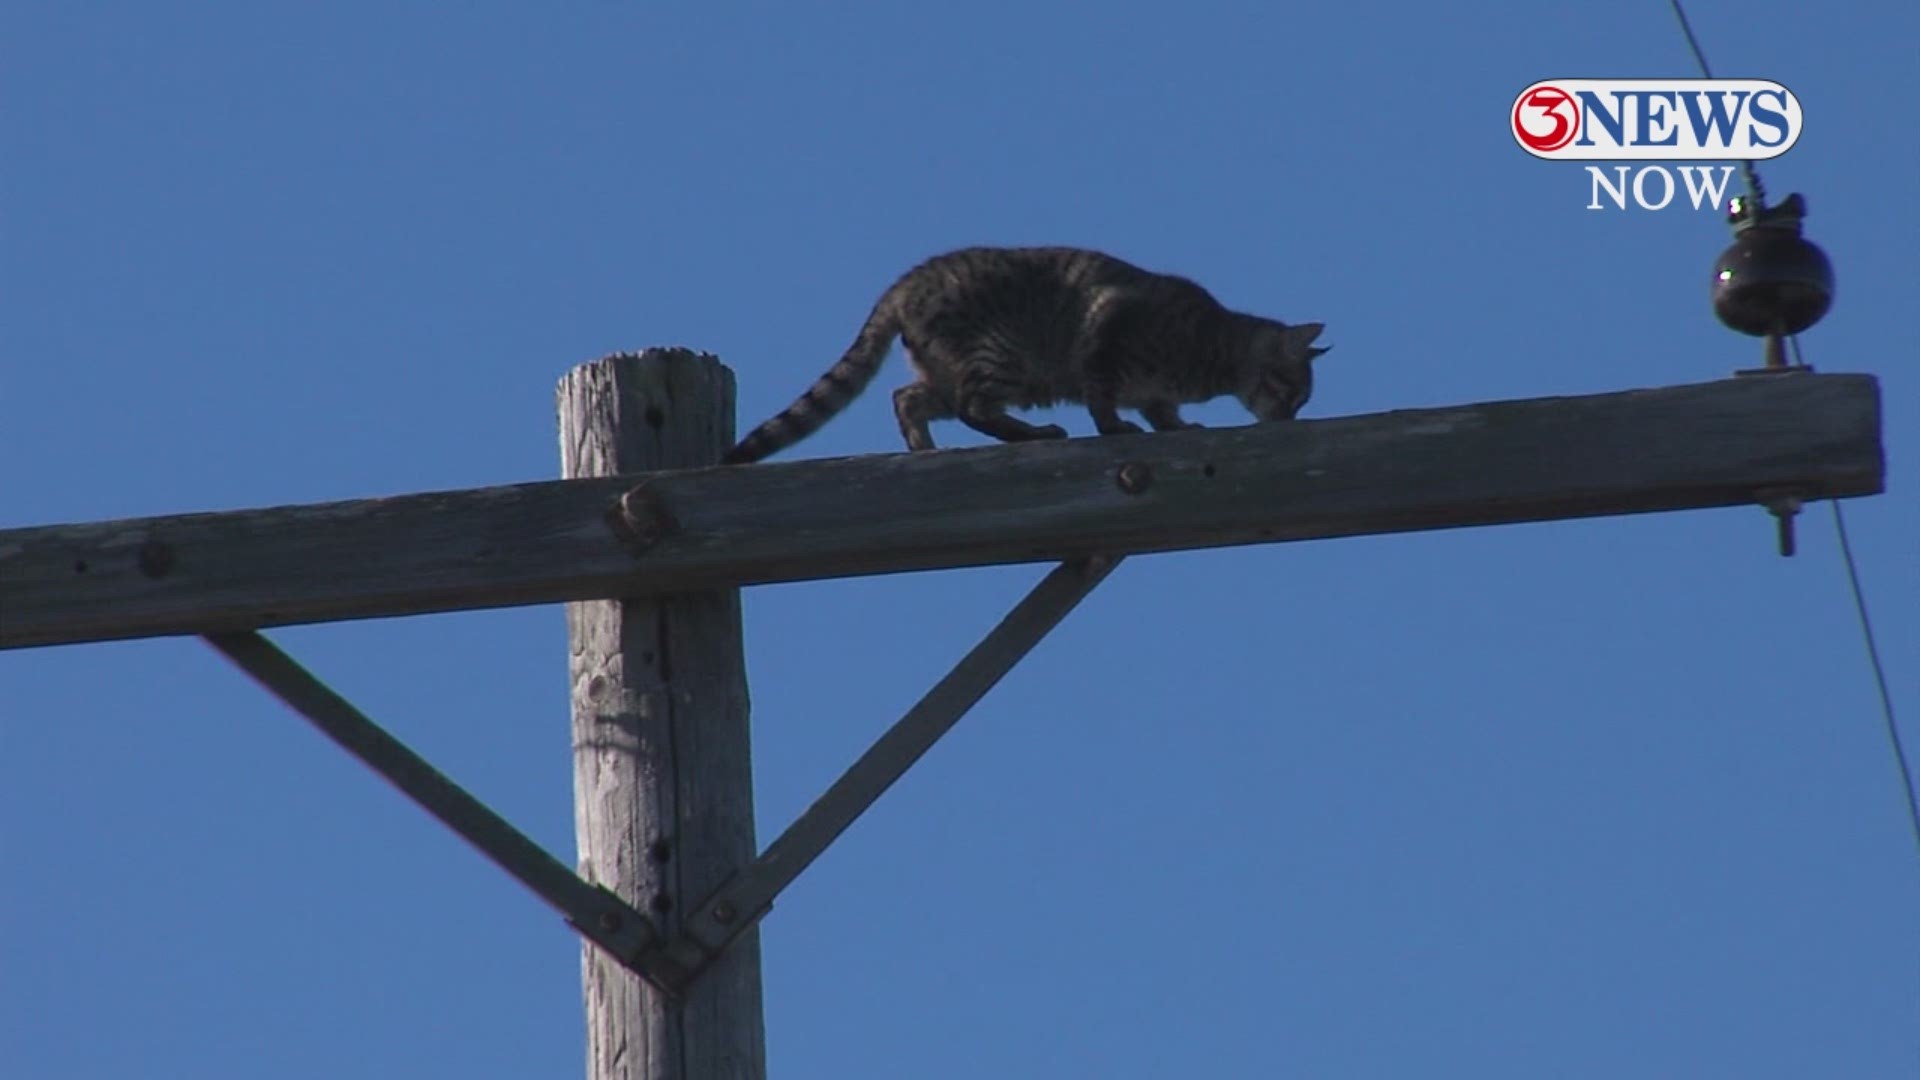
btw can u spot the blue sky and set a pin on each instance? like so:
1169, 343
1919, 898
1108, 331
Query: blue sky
1587, 799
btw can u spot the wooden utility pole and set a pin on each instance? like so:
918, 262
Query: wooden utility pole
649, 546
663, 783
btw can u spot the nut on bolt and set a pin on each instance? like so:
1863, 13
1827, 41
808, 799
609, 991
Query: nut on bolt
642, 518
1783, 504
1783, 510
1135, 477
723, 912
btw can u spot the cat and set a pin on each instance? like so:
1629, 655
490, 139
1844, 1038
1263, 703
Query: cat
989, 328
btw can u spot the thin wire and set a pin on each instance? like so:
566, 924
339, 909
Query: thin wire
1754, 186
1879, 673
1692, 42
1873, 649
1839, 520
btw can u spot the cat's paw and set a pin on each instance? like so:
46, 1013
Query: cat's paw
1123, 427
1050, 431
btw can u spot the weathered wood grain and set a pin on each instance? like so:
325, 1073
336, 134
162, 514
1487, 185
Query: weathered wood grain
1682, 447
663, 781
608, 920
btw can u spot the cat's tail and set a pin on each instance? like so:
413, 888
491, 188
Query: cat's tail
829, 394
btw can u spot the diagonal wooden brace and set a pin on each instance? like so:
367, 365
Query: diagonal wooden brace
747, 896
596, 913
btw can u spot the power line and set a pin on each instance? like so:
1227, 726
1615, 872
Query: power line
1873, 649
1879, 672
1754, 187
1692, 42
1839, 520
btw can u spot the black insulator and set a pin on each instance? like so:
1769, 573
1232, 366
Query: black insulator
1772, 281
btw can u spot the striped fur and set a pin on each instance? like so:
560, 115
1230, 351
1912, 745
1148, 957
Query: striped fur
987, 329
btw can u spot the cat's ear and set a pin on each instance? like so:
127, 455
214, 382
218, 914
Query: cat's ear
1299, 339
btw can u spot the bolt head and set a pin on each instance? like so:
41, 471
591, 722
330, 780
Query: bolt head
1135, 477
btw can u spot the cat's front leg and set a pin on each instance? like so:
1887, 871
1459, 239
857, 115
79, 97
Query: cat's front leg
1106, 412
1165, 416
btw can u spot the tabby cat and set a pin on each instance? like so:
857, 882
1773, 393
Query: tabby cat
986, 329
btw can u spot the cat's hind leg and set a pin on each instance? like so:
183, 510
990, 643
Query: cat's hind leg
983, 407
988, 416
914, 405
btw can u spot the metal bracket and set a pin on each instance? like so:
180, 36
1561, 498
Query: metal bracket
596, 912
1782, 503
743, 899
1773, 358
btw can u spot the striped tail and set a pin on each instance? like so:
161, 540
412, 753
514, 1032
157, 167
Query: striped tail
828, 395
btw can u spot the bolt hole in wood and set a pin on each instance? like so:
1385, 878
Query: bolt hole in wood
659, 851
1207, 470
654, 417
661, 903
79, 566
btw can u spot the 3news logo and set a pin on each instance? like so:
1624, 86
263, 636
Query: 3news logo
1656, 120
